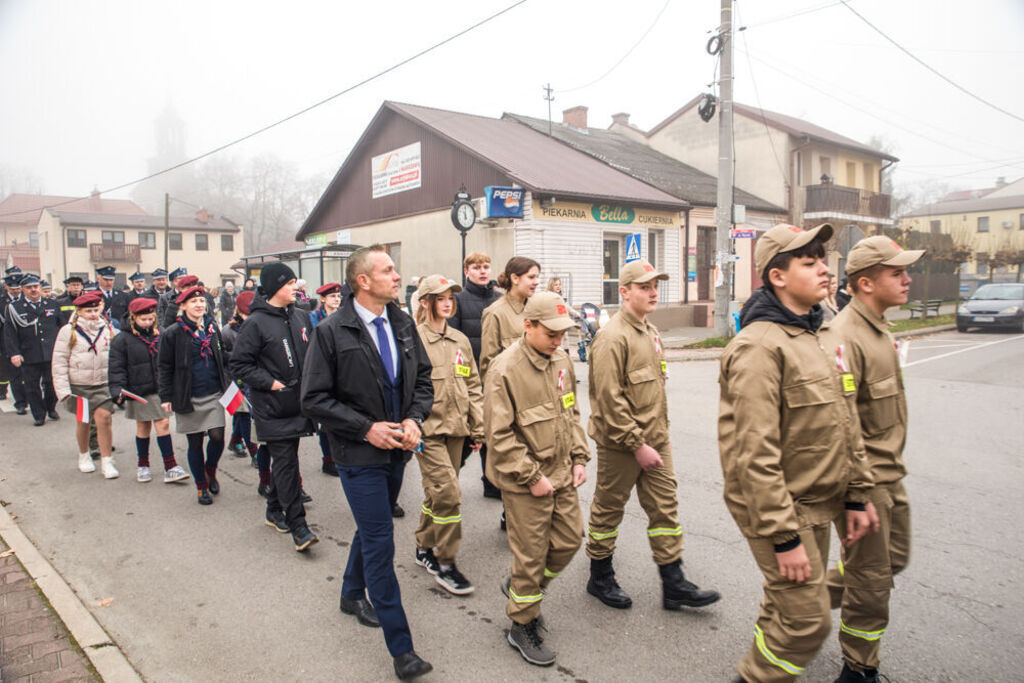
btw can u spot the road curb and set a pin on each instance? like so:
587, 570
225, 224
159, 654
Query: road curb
923, 331
102, 651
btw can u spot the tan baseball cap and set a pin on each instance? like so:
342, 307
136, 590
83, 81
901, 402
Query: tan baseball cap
550, 310
639, 271
784, 237
435, 284
879, 249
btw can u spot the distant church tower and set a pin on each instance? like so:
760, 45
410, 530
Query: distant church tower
170, 139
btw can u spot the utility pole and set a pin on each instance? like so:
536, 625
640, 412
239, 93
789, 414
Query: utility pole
167, 227
550, 98
723, 218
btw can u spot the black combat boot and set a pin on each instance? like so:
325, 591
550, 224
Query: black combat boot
848, 675
603, 586
677, 592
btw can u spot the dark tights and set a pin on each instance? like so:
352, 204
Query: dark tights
202, 470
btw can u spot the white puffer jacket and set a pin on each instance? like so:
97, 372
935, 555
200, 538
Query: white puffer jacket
79, 364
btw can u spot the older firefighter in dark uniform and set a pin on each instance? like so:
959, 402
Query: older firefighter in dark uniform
66, 302
30, 330
166, 308
629, 423
138, 281
10, 376
115, 302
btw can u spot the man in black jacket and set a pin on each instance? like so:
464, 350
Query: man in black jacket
227, 302
30, 329
166, 309
367, 381
268, 356
477, 295
158, 289
115, 302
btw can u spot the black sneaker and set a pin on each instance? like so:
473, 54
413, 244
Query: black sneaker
527, 639
263, 489
52, 414
426, 559
204, 497
397, 511
453, 581
504, 524
304, 538
275, 520
305, 497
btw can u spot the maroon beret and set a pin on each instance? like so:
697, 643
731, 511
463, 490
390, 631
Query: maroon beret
244, 300
190, 293
142, 305
187, 281
88, 300
329, 288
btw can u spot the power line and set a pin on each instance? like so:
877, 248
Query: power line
623, 58
798, 13
305, 110
930, 68
757, 96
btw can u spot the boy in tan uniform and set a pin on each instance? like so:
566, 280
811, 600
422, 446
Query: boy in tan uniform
538, 459
629, 422
877, 270
790, 446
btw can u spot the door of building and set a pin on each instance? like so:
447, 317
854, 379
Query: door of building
705, 261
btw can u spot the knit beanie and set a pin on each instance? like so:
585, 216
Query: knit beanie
273, 277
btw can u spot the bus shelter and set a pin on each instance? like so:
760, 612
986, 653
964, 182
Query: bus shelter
314, 264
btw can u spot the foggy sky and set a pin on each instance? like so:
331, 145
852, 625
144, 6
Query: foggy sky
83, 81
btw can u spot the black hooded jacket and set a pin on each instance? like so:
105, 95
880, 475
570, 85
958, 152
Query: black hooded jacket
132, 366
764, 305
271, 345
471, 303
174, 363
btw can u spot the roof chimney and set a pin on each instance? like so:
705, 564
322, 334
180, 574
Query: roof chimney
1001, 181
203, 216
575, 117
622, 118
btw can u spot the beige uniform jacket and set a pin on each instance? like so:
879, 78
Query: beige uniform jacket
788, 435
79, 365
627, 385
881, 401
501, 325
458, 394
532, 419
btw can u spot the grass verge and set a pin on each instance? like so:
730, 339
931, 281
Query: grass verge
921, 323
709, 343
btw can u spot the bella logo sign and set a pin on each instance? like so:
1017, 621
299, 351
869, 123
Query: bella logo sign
603, 213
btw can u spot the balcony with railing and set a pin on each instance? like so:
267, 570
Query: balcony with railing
827, 201
114, 252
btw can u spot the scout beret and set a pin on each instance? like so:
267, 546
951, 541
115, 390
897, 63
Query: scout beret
190, 293
329, 288
88, 300
188, 281
244, 300
142, 305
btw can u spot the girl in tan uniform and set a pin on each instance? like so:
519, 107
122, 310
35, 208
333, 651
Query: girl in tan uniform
457, 413
502, 321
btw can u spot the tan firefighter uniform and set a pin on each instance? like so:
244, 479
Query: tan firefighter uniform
864, 579
456, 414
532, 425
628, 409
501, 325
791, 454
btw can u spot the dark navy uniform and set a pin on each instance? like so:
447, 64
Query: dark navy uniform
10, 376
136, 293
30, 330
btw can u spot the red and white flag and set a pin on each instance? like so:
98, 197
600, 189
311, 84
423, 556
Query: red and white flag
232, 399
458, 357
134, 397
82, 409
561, 380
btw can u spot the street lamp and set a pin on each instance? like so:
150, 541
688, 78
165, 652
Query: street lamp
463, 218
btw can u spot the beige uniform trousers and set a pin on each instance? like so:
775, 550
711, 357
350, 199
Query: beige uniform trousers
440, 517
617, 474
543, 533
794, 619
863, 581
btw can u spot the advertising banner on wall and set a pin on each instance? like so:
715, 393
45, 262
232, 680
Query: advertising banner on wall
607, 213
396, 171
504, 202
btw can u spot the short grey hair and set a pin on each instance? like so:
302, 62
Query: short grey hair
359, 263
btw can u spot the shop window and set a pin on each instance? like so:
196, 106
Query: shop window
174, 241
610, 283
76, 238
227, 242
202, 242
147, 240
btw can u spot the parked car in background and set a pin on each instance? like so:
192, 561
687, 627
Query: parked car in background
993, 305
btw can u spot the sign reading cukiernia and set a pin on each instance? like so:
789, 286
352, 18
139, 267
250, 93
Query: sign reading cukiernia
396, 171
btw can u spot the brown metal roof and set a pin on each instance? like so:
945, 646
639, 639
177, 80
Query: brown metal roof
969, 206
26, 208
539, 163
99, 220
21, 255
788, 124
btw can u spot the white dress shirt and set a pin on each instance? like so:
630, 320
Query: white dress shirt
368, 317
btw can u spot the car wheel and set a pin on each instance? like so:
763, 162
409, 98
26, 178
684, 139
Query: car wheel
960, 327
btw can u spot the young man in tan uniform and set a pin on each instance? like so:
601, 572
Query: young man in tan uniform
877, 270
629, 422
791, 451
538, 459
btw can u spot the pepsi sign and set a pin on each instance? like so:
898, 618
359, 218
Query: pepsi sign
504, 202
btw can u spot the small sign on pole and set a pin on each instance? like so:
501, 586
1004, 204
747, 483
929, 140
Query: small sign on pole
633, 247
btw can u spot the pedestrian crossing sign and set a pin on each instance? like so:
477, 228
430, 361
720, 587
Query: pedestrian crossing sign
633, 247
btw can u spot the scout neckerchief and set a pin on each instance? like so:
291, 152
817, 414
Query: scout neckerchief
204, 339
152, 342
92, 342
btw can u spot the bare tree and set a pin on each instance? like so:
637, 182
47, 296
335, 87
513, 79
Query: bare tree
19, 181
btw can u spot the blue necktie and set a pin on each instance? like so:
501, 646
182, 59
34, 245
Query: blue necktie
385, 348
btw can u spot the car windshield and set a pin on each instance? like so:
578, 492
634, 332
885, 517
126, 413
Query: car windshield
1005, 292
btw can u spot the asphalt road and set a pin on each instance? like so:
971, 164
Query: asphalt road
213, 594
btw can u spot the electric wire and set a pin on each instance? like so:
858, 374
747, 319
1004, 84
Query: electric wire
757, 97
302, 111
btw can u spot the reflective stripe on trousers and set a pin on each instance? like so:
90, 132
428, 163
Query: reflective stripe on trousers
788, 667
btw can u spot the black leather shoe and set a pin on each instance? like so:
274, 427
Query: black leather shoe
214, 486
504, 524
603, 586
263, 489
305, 497
21, 411
362, 610
52, 414
38, 421
397, 511
304, 538
329, 468
409, 665
848, 675
204, 497
677, 592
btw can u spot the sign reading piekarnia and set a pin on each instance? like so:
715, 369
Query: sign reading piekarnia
396, 171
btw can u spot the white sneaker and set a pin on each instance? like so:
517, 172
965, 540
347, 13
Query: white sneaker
175, 474
85, 463
144, 475
109, 471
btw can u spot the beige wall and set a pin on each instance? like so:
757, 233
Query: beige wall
212, 266
964, 229
14, 233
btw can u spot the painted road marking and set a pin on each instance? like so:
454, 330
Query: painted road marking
970, 348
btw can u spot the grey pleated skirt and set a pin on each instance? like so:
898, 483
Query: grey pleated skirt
144, 412
207, 413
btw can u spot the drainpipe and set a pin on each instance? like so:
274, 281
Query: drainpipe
64, 249
686, 256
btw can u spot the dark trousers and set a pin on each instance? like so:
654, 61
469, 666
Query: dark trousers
38, 388
371, 558
241, 427
17, 385
285, 494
